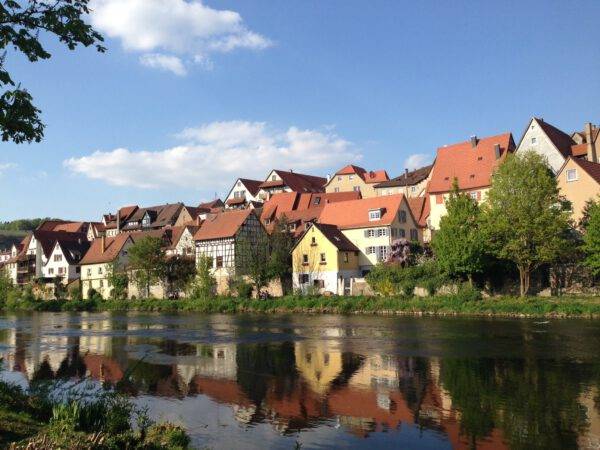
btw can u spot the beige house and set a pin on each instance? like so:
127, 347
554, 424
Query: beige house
353, 178
279, 181
471, 164
412, 184
579, 182
99, 260
372, 225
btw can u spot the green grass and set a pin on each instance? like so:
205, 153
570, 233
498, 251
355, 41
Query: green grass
463, 303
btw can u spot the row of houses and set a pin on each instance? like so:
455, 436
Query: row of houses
343, 224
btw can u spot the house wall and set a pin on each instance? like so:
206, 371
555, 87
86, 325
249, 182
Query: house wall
184, 218
543, 146
264, 195
94, 276
438, 209
412, 190
237, 189
349, 183
578, 192
360, 238
224, 248
60, 268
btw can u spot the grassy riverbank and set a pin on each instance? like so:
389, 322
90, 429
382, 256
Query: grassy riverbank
36, 419
463, 303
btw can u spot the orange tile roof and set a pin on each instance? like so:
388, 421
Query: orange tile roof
579, 149
419, 206
376, 176
71, 227
112, 247
473, 167
222, 225
355, 213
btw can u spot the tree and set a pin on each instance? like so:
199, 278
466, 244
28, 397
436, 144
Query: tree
525, 221
147, 262
203, 285
117, 278
252, 258
21, 23
591, 238
178, 271
281, 243
459, 246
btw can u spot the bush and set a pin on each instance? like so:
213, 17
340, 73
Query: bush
242, 288
75, 293
393, 279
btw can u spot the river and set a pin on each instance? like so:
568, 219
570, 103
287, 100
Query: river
331, 381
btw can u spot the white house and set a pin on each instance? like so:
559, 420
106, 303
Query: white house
244, 192
64, 260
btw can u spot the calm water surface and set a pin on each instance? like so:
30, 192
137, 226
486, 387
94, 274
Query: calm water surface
331, 381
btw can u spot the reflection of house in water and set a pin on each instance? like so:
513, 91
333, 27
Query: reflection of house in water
591, 402
319, 363
211, 361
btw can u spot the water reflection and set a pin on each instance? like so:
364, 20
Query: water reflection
332, 381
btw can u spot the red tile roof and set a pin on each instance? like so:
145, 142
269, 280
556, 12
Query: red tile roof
473, 167
376, 176
222, 225
253, 186
355, 213
559, 138
112, 247
297, 182
579, 149
419, 206
216, 203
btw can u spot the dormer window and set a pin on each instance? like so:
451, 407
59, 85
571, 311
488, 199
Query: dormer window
375, 214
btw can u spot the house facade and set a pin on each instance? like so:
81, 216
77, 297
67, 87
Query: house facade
243, 193
411, 184
579, 181
219, 237
372, 224
471, 164
354, 178
324, 259
64, 260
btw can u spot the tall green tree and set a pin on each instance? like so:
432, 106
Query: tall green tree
178, 272
591, 237
118, 280
459, 246
21, 23
147, 262
525, 220
204, 283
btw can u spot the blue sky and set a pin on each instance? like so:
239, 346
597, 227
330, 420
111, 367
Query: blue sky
191, 95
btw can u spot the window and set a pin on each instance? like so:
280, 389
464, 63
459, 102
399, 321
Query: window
219, 262
339, 178
313, 241
533, 141
319, 284
337, 189
318, 201
61, 270
382, 232
303, 278
572, 175
57, 258
356, 188
370, 233
402, 216
305, 259
99, 270
345, 257
382, 252
77, 269
375, 214
401, 232
414, 235
51, 271
413, 189
473, 195
323, 258
101, 283
89, 272
370, 250
274, 178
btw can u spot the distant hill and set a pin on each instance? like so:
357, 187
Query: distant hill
10, 237
23, 224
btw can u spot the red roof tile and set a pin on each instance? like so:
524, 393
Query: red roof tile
591, 168
222, 225
559, 138
112, 247
355, 213
471, 166
376, 176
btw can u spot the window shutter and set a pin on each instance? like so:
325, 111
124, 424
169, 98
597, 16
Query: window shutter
366, 233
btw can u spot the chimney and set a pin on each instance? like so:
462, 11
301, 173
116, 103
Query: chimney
406, 181
473, 141
118, 221
103, 244
591, 146
497, 151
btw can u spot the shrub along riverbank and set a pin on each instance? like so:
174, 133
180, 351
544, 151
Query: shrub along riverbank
465, 302
50, 415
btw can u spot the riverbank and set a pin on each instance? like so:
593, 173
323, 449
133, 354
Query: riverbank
35, 419
461, 304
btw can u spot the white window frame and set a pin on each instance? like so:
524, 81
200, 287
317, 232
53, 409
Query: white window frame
374, 215
574, 173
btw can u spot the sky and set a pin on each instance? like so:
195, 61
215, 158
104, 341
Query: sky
192, 95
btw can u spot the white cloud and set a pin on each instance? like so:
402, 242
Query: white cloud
5, 166
417, 160
188, 30
164, 62
216, 153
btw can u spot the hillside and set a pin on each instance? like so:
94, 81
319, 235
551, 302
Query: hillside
10, 237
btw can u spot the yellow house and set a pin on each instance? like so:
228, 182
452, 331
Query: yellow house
579, 181
325, 259
412, 184
372, 225
97, 262
354, 178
